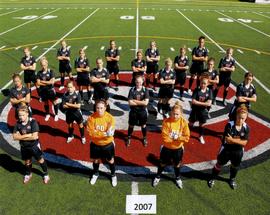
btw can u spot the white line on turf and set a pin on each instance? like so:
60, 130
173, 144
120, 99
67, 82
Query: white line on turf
3, 14
172, 49
137, 29
120, 47
2, 47
73, 29
18, 26
189, 49
262, 15
134, 189
257, 52
102, 47
214, 42
34, 47
240, 51
85, 47
248, 26
18, 47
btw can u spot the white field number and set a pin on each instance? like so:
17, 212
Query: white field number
127, 17
141, 204
231, 20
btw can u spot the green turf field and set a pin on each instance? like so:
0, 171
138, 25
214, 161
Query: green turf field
245, 27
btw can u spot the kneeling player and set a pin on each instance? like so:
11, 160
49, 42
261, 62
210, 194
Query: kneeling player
26, 132
167, 80
175, 133
45, 81
71, 102
235, 137
138, 67
201, 101
101, 126
138, 99
245, 93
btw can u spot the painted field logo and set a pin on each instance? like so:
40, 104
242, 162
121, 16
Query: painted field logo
135, 159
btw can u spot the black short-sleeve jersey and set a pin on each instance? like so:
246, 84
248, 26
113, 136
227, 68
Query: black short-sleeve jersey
167, 75
45, 76
152, 53
226, 62
139, 95
138, 64
212, 75
201, 96
181, 61
63, 52
199, 52
30, 127
82, 63
19, 93
242, 90
112, 53
28, 61
100, 74
74, 98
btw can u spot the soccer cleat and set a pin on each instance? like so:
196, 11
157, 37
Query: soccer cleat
27, 178
40, 100
202, 141
114, 181
69, 139
145, 142
224, 102
233, 184
61, 88
211, 183
128, 141
56, 118
179, 183
93, 179
46, 179
155, 181
47, 117
83, 140
189, 92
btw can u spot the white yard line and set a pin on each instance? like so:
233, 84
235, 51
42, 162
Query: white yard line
85, 47
18, 26
240, 51
262, 15
248, 26
34, 47
3, 14
134, 189
73, 29
137, 29
214, 42
2, 47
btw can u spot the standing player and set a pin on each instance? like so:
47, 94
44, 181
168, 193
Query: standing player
19, 95
63, 55
45, 81
26, 132
245, 93
138, 99
83, 69
235, 137
201, 101
99, 78
167, 80
71, 102
175, 134
112, 57
28, 65
181, 65
226, 67
199, 58
138, 67
152, 59
213, 78
101, 126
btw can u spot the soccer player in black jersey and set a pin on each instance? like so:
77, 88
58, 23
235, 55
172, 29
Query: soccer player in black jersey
235, 137
71, 103
45, 81
138, 67
112, 55
28, 65
83, 69
19, 95
199, 58
63, 55
26, 132
152, 59
226, 67
167, 81
245, 93
138, 99
100, 78
201, 101
181, 65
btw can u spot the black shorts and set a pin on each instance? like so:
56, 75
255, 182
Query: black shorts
65, 68
226, 154
171, 155
75, 115
101, 94
180, 78
83, 80
152, 68
224, 80
113, 69
196, 69
198, 115
137, 117
47, 94
30, 76
28, 152
102, 152
165, 92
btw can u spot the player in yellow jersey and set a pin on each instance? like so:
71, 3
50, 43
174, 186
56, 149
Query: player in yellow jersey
175, 133
101, 126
